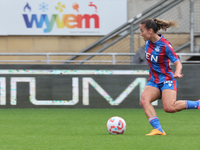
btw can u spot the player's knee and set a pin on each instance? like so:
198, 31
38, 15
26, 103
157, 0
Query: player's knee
170, 109
144, 101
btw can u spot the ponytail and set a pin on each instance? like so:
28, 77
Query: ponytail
157, 24
165, 24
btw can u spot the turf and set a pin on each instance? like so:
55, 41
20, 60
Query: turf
85, 129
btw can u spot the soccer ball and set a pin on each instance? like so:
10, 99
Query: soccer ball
116, 125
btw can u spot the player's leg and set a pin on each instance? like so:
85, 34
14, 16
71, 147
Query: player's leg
149, 95
170, 104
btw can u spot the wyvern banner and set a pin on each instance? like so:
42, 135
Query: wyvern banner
63, 17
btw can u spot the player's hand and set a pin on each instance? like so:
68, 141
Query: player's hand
178, 76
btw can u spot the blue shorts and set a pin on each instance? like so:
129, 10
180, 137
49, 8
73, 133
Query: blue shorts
172, 85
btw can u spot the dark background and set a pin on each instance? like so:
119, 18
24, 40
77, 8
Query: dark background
59, 87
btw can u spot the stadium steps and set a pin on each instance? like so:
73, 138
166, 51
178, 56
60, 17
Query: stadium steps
118, 40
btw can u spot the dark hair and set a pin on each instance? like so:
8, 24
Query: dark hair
157, 24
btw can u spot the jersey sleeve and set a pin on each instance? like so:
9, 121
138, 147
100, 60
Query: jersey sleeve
171, 54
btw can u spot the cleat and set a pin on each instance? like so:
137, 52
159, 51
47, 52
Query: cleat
199, 104
156, 132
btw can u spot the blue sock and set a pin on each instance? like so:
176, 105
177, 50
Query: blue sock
155, 123
192, 104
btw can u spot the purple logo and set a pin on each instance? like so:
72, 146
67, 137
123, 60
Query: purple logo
27, 7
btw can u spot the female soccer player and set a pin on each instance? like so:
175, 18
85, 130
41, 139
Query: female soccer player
162, 80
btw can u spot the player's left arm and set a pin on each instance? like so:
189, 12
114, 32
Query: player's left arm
175, 60
178, 70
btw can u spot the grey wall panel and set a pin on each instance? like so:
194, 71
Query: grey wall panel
50, 87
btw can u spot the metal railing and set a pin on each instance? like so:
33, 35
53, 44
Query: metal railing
113, 60
124, 37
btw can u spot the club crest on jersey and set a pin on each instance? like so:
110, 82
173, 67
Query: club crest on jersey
157, 49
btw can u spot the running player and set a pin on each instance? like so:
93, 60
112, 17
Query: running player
162, 80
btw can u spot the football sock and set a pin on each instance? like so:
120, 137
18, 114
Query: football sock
191, 104
155, 123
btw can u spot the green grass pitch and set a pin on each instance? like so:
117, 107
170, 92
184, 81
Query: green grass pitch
85, 129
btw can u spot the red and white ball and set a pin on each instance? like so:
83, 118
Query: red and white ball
116, 125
